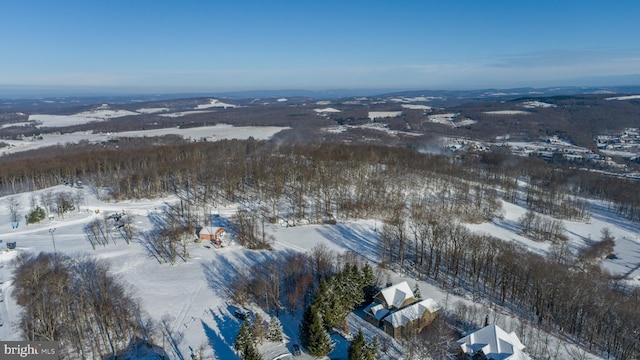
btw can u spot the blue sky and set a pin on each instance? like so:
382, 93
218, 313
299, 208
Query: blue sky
206, 45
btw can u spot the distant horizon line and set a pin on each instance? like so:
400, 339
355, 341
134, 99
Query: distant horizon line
35, 92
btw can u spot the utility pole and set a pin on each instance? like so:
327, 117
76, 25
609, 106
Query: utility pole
51, 231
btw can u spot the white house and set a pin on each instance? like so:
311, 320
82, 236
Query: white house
491, 342
396, 296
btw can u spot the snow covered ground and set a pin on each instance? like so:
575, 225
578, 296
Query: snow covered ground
536, 104
217, 132
416, 107
193, 294
100, 113
215, 103
383, 114
152, 110
446, 119
629, 97
327, 110
507, 112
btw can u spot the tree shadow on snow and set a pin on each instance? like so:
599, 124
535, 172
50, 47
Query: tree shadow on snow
509, 225
357, 238
222, 344
602, 213
222, 269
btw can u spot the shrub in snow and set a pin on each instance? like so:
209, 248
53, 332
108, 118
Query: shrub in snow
36, 215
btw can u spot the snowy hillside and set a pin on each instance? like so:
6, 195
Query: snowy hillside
193, 295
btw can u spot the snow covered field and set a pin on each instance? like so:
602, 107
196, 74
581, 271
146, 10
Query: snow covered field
100, 113
507, 112
629, 97
327, 110
445, 119
215, 103
383, 114
536, 104
416, 107
210, 133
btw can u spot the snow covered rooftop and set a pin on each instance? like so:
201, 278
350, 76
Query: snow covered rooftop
377, 310
397, 294
495, 343
210, 230
412, 312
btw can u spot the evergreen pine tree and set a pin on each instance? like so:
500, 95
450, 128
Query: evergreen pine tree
274, 333
251, 353
333, 309
369, 283
356, 349
318, 341
372, 350
244, 337
355, 286
305, 325
324, 300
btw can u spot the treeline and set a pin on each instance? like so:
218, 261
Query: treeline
559, 293
313, 180
77, 302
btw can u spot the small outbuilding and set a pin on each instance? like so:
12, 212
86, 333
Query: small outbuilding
213, 234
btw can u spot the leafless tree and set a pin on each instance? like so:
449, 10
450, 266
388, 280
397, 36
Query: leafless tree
77, 303
13, 205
